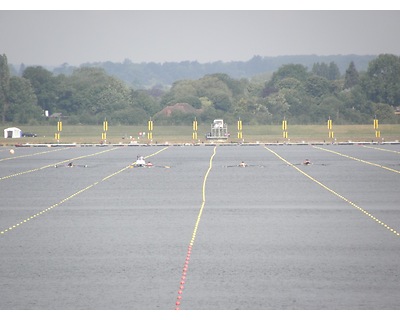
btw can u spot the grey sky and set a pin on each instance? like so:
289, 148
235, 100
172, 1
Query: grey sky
75, 37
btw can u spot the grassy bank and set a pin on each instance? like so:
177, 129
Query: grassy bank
183, 134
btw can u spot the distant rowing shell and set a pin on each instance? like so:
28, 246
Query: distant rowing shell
148, 167
67, 166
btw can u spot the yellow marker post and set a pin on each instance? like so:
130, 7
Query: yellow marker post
150, 128
376, 124
105, 129
330, 124
59, 129
240, 127
284, 125
330, 133
194, 135
284, 128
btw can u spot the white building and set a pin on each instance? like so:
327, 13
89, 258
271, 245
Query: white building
12, 133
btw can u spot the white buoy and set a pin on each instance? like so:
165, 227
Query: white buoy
12, 151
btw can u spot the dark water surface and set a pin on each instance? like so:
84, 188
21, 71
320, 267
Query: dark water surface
276, 235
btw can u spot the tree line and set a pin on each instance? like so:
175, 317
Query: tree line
147, 75
301, 95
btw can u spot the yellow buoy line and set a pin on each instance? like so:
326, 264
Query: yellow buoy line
2, 232
54, 164
337, 194
357, 159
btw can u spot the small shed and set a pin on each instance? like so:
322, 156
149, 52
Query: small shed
12, 133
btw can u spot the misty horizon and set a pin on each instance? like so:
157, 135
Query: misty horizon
52, 38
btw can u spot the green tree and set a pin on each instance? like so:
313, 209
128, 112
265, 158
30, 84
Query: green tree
130, 116
356, 99
290, 83
252, 112
215, 90
183, 91
44, 85
236, 87
331, 107
333, 71
382, 80
96, 95
65, 91
142, 100
179, 92
317, 86
193, 101
300, 104
384, 112
221, 101
330, 72
289, 76
278, 106
4, 86
23, 102
352, 76
320, 69
296, 71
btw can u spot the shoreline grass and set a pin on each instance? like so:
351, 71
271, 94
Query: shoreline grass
81, 134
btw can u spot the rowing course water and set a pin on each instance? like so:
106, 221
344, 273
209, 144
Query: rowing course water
276, 235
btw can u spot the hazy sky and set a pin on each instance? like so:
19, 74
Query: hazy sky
46, 37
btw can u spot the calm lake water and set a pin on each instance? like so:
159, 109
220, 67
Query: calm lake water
275, 235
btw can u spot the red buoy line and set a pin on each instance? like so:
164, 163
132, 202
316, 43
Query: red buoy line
189, 251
